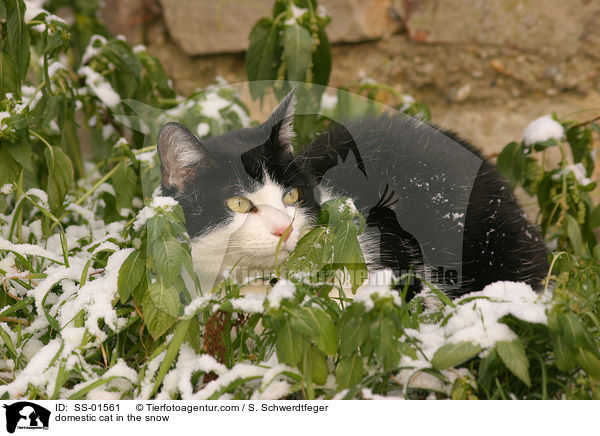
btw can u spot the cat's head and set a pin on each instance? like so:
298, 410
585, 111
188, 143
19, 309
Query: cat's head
240, 191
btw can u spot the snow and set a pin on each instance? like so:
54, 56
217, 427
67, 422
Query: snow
100, 394
33, 9
37, 371
100, 87
578, 170
146, 157
202, 130
195, 305
283, 289
147, 384
92, 50
213, 104
96, 297
105, 187
328, 102
54, 67
478, 321
3, 124
297, 13
543, 129
366, 295
245, 120
6, 189
87, 214
166, 203
41, 195
251, 303
348, 206
120, 369
239, 371
178, 379
54, 275
27, 250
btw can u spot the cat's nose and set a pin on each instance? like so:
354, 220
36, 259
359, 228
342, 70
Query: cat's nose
281, 230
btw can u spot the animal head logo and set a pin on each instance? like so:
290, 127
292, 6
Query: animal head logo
26, 415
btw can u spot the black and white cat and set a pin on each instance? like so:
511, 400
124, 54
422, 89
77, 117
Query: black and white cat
433, 206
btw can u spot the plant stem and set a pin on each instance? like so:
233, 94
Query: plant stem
96, 186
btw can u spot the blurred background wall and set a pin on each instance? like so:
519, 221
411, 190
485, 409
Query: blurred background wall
485, 67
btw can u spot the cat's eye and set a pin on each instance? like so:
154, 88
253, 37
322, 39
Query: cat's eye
239, 204
291, 197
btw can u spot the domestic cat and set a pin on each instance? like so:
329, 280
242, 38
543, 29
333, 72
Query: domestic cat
435, 210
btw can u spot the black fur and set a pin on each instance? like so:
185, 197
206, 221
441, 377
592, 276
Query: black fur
394, 176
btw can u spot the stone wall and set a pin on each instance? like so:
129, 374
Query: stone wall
201, 27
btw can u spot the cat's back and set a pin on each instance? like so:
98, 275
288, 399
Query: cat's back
452, 201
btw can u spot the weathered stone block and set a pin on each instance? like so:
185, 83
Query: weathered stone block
556, 27
219, 26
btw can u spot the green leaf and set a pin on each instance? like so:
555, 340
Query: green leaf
7, 341
125, 184
130, 274
347, 253
263, 56
303, 321
168, 258
18, 42
589, 363
349, 371
579, 139
574, 234
289, 344
160, 307
308, 255
597, 252
9, 76
51, 320
297, 51
279, 7
172, 352
193, 336
574, 332
513, 355
9, 168
60, 176
451, 355
351, 335
511, 162
326, 334
386, 348
563, 355
318, 365
322, 60
595, 218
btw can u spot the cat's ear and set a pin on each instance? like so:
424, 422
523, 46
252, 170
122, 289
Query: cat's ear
180, 153
282, 122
